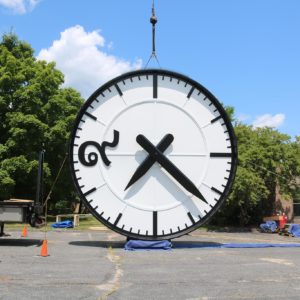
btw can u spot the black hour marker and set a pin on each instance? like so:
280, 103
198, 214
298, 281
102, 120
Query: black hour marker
109, 90
119, 90
75, 162
178, 228
90, 191
118, 219
154, 86
220, 154
91, 106
191, 217
215, 119
216, 190
91, 201
95, 207
107, 218
190, 92
82, 186
155, 223
90, 115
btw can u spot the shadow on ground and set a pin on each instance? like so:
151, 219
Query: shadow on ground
121, 244
20, 242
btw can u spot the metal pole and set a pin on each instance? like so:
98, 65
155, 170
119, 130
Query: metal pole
39, 189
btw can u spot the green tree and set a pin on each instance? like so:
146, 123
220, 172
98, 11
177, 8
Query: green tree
267, 160
35, 113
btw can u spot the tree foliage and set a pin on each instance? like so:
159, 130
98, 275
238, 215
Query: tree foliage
267, 159
35, 113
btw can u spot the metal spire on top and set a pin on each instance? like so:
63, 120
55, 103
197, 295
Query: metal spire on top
153, 21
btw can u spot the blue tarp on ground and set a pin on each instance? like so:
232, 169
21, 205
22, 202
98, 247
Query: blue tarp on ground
269, 226
134, 245
147, 245
294, 229
259, 245
63, 224
233, 245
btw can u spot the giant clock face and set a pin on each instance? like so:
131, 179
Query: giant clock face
153, 154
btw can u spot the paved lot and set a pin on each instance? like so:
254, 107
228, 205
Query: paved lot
93, 265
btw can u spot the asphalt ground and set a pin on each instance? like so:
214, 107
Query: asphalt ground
94, 265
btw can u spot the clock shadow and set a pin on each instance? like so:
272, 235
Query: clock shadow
176, 244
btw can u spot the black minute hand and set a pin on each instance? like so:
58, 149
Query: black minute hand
149, 161
168, 166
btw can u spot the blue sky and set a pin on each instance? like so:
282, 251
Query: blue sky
246, 52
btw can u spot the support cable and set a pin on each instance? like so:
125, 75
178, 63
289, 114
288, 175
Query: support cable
50, 192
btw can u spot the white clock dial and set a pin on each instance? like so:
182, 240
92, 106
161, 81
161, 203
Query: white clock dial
153, 154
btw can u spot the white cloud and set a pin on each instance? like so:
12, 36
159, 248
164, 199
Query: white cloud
79, 56
267, 120
19, 6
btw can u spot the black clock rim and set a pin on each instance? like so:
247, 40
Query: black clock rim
233, 140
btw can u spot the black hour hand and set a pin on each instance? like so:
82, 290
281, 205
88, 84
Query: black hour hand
149, 160
169, 166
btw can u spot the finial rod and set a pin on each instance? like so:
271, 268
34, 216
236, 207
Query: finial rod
153, 21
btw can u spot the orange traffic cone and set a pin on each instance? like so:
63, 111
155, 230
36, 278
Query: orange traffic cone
44, 250
24, 231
